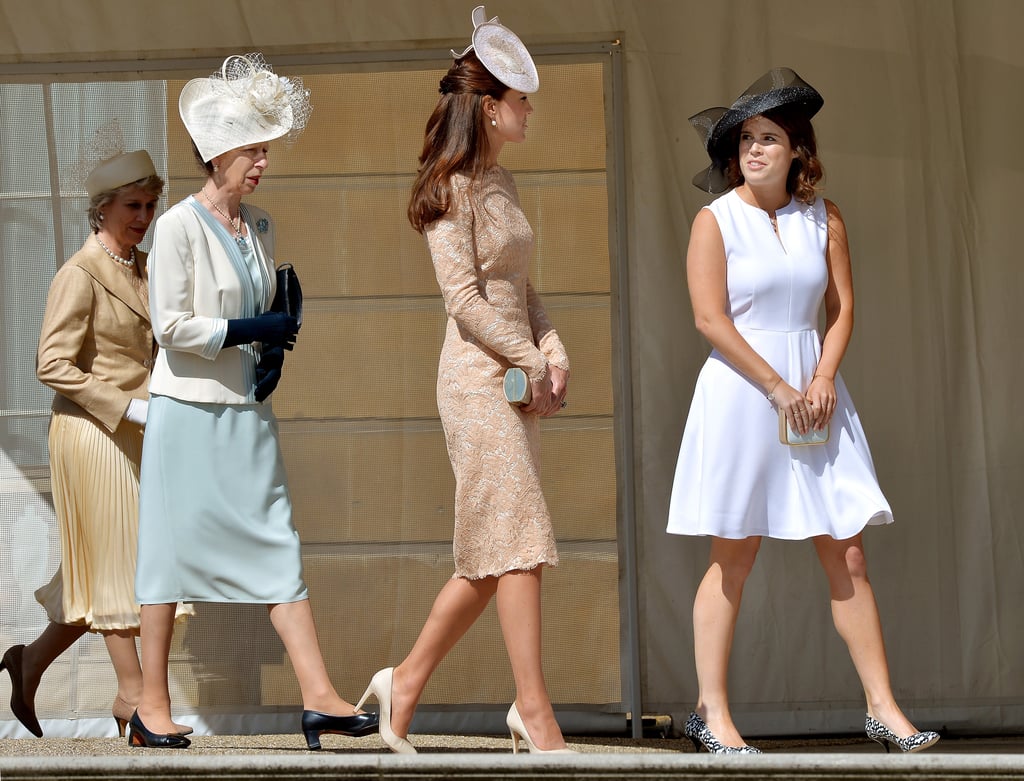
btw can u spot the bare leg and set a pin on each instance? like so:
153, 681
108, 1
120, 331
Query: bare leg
519, 611
715, 608
294, 623
855, 614
157, 633
125, 658
41, 653
457, 606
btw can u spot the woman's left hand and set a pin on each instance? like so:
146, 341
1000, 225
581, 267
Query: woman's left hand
822, 395
548, 393
559, 387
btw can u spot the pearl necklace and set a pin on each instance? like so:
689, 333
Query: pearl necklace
236, 224
127, 262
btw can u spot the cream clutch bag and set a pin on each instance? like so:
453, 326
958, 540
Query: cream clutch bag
789, 437
517, 386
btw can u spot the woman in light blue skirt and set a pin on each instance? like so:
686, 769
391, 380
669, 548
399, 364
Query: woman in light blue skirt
215, 517
232, 538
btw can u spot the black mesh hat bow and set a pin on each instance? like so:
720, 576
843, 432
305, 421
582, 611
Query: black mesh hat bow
778, 87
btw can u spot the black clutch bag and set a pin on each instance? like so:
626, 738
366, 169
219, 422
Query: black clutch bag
288, 298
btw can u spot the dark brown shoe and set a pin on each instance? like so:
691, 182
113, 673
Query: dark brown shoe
23, 710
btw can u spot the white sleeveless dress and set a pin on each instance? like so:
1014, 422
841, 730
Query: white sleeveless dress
734, 479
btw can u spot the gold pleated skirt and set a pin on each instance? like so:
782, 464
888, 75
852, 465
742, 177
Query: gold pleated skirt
94, 476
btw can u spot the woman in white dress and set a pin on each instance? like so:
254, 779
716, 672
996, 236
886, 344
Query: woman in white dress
761, 260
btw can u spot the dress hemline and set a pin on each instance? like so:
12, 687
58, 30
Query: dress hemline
483, 576
880, 518
224, 601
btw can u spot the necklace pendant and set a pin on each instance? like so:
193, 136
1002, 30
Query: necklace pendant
241, 241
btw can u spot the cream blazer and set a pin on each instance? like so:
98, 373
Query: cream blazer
194, 290
96, 345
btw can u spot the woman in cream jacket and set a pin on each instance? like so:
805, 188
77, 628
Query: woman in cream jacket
215, 516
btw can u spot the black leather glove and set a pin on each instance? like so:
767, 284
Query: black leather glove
270, 328
268, 371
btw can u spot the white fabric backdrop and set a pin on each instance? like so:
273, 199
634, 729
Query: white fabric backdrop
922, 101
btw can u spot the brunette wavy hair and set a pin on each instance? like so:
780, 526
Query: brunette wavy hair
455, 140
806, 170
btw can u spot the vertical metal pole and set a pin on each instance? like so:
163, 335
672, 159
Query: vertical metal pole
56, 199
624, 373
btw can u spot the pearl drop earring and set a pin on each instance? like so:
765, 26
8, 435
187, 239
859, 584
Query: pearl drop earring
494, 122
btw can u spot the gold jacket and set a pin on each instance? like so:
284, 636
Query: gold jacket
96, 346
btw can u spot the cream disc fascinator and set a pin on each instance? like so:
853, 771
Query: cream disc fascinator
243, 103
502, 53
778, 87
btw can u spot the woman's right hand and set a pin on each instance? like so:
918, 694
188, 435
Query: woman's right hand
549, 393
275, 329
137, 411
542, 400
800, 413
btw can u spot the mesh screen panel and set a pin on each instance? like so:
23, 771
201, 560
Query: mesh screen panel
369, 475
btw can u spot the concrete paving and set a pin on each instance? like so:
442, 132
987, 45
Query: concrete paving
488, 757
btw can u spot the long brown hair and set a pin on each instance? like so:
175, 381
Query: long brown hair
455, 140
806, 169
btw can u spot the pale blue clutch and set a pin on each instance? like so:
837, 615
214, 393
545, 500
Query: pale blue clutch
517, 386
789, 437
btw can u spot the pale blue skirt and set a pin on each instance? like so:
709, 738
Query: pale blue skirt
215, 517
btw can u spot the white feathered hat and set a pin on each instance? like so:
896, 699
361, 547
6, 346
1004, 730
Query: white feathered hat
243, 103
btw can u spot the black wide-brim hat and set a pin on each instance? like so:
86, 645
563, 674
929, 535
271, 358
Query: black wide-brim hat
778, 87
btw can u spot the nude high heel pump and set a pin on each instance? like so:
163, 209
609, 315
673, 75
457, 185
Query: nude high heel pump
518, 730
380, 687
122, 712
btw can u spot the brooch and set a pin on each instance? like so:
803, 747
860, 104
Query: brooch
262, 224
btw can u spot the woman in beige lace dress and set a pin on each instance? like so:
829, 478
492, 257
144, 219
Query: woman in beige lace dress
480, 242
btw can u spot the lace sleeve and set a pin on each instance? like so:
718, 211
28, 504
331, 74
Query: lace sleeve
453, 250
544, 332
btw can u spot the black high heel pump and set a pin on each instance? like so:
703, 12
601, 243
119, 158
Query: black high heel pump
139, 736
315, 724
23, 710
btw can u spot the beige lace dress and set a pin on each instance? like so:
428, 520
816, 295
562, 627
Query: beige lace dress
481, 251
